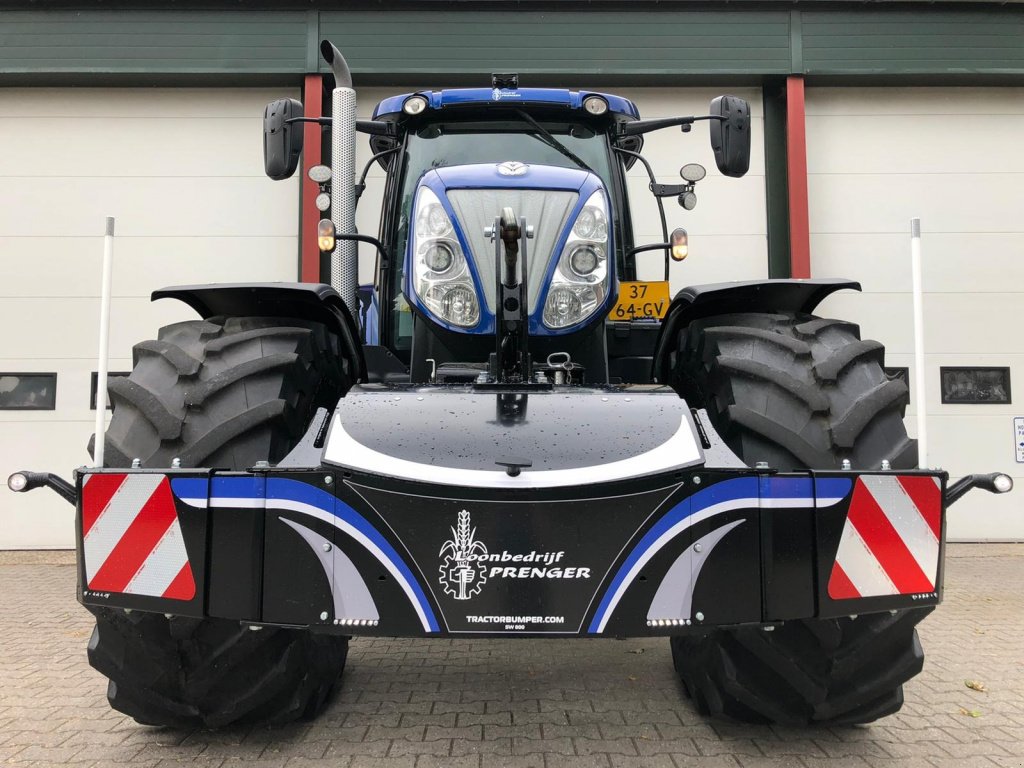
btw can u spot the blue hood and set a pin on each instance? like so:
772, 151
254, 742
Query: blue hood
563, 194
489, 175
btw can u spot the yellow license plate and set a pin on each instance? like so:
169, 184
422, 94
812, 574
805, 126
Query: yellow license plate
641, 300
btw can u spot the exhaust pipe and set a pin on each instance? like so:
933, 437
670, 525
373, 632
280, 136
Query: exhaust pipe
345, 256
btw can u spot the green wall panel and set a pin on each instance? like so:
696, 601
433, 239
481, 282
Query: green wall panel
582, 42
654, 44
152, 41
961, 41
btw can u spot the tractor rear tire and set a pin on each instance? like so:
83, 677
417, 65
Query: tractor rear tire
227, 393
798, 392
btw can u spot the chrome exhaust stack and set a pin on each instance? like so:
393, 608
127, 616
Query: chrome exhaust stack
345, 256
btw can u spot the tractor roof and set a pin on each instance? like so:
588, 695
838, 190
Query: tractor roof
618, 107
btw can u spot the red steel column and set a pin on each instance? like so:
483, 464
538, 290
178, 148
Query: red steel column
312, 101
796, 153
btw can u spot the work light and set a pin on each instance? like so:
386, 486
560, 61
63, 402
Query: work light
321, 174
595, 105
414, 105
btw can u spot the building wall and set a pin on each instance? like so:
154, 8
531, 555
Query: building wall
181, 171
953, 157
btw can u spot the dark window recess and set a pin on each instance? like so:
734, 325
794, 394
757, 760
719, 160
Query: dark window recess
899, 373
92, 388
989, 385
28, 391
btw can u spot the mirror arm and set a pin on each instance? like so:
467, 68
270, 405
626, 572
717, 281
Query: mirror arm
367, 239
638, 127
376, 127
652, 247
653, 182
372, 127
671, 190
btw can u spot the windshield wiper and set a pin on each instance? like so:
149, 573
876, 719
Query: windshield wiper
548, 138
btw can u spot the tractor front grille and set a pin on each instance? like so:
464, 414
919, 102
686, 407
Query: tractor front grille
546, 210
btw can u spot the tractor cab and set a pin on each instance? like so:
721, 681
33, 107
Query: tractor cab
506, 231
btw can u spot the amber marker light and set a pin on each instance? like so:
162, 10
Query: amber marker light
680, 244
325, 235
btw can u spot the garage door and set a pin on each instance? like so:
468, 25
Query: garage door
727, 229
181, 170
953, 157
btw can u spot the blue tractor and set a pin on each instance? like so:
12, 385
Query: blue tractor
508, 434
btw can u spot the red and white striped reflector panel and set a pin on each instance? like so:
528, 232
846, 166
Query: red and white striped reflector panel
131, 537
890, 543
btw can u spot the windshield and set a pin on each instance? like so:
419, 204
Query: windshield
465, 143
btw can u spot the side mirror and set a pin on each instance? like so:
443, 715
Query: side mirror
730, 136
282, 141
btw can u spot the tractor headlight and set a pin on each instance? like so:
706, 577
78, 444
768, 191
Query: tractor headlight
441, 275
580, 283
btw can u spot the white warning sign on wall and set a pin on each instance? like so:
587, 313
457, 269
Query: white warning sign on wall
1018, 437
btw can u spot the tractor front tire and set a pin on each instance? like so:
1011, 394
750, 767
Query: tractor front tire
815, 672
226, 393
211, 673
798, 392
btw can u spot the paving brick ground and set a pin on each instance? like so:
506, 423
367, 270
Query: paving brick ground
528, 704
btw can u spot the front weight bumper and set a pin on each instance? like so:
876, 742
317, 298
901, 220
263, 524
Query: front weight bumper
356, 553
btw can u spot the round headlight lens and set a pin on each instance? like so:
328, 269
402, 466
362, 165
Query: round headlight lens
414, 105
322, 202
595, 105
439, 257
562, 308
437, 221
459, 306
584, 260
586, 223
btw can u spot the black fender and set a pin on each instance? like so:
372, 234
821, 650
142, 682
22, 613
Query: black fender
699, 301
308, 301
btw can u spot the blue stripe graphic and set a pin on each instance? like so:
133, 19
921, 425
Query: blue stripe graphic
252, 488
190, 487
746, 488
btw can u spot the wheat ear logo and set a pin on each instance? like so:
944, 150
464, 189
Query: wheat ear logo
463, 570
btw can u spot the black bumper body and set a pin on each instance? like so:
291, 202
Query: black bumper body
411, 527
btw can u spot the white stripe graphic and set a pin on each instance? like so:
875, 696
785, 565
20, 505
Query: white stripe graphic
163, 564
907, 519
752, 502
678, 451
115, 519
861, 567
337, 522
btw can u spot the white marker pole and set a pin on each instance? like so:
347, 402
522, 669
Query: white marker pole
919, 374
101, 363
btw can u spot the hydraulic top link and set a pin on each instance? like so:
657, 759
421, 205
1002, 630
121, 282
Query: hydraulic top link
512, 358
